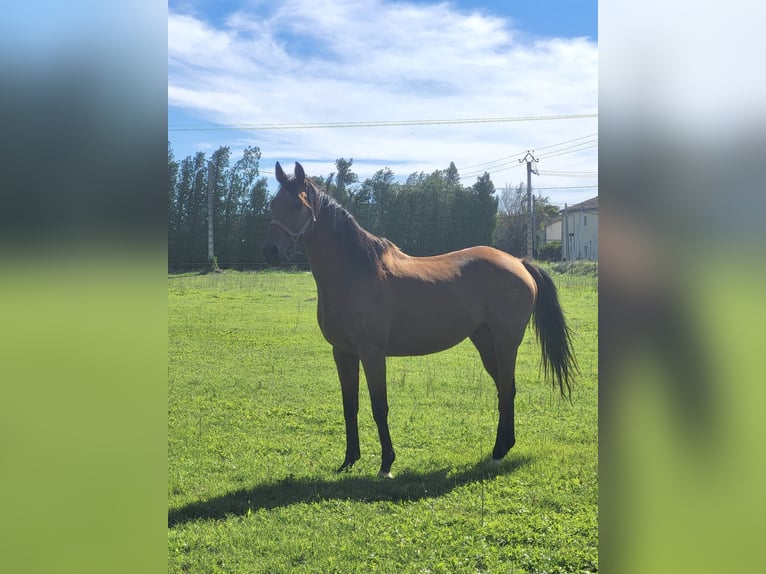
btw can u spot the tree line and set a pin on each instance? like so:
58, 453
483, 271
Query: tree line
425, 215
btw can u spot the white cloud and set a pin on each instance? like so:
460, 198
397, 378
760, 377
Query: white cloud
364, 60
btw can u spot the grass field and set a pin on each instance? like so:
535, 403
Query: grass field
255, 433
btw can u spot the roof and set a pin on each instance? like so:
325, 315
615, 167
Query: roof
587, 205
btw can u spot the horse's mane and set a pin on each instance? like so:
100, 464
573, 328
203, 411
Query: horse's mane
363, 248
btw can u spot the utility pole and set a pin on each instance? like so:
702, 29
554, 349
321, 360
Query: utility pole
565, 235
210, 188
529, 158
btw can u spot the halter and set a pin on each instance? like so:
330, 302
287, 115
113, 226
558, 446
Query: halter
295, 236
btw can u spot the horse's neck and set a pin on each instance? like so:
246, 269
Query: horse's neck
326, 259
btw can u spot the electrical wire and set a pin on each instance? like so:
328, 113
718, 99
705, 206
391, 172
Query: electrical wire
371, 124
568, 150
567, 173
565, 187
522, 152
506, 165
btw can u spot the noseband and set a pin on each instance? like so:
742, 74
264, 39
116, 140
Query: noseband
296, 235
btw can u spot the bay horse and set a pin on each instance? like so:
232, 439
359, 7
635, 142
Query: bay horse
375, 301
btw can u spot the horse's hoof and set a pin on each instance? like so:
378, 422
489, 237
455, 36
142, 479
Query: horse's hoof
388, 474
495, 462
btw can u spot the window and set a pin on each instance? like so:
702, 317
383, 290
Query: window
585, 221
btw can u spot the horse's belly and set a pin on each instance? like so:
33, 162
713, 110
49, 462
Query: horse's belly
431, 327
407, 346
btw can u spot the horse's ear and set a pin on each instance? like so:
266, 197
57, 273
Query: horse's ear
281, 175
300, 175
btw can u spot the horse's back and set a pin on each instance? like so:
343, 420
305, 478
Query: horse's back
438, 301
479, 269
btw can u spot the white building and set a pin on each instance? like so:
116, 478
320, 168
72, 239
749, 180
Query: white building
579, 231
553, 231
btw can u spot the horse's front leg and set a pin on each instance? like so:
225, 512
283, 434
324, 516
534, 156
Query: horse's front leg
375, 371
348, 373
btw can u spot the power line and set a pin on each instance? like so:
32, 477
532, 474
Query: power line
505, 166
568, 141
522, 152
510, 158
568, 187
501, 159
571, 149
511, 162
568, 173
372, 124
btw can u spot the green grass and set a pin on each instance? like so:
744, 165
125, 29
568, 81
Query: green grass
255, 433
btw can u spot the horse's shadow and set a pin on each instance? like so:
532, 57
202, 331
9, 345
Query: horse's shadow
407, 486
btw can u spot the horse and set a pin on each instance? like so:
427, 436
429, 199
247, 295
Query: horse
375, 301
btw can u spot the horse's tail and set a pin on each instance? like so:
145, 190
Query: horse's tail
552, 332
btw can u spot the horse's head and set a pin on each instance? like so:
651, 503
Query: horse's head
292, 212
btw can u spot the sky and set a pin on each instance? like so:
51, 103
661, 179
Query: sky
238, 65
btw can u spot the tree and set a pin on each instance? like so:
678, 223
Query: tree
191, 212
486, 210
550, 251
545, 214
433, 204
253, 194
451, 175
420, 218
173, 222
256, 220
511, 233
224, 206
429, 214
381, 191
344, 179
513, 220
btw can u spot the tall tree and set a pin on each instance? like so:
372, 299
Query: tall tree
344, 180
381, 190
173, 171
420, 219
486, 210
511, 232
254, 194
224, 208
513, 220
191, 205
451, 175
244, 185
429, 214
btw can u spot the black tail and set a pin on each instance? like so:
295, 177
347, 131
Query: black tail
552, 332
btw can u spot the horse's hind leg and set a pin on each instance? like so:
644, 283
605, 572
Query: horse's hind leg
498, 354
506, 435
506, 348
482, 340
375, 371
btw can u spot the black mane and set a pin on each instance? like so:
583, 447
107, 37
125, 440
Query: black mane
364, 248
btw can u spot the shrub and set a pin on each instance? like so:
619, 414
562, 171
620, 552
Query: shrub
550, 251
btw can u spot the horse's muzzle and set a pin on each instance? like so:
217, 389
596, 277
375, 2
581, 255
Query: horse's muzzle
271, 254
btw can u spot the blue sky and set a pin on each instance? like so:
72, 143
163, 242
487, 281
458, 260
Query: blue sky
239, 63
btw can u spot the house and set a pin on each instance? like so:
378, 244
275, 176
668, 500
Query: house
553, 231
579, 231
